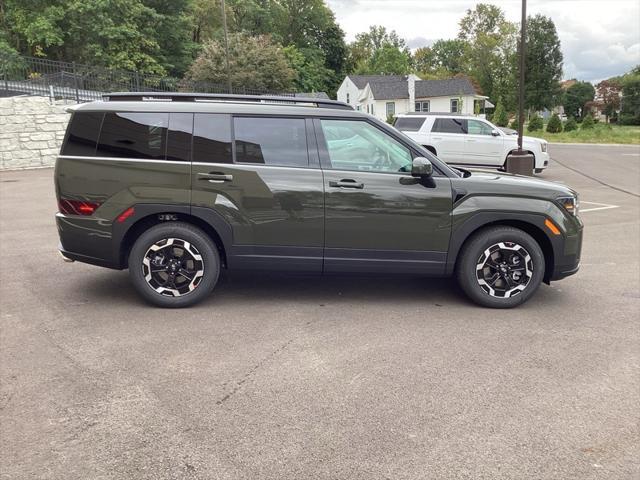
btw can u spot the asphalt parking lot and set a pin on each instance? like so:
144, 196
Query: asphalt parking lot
323, 378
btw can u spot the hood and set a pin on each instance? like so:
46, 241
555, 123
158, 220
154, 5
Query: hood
491, 182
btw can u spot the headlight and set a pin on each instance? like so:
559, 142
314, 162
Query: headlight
543, 146
570, 204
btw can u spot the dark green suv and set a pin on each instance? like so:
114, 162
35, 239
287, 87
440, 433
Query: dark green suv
177, 186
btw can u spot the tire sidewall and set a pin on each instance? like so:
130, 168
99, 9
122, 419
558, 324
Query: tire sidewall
193, 235
477, 245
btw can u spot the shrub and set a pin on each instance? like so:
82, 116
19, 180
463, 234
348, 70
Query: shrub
570, 125
535, 123
629, 119
500, 116
555, 124
514, 123
390, 119
587, 122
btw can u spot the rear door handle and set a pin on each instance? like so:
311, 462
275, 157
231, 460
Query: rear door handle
215, 177
346, 183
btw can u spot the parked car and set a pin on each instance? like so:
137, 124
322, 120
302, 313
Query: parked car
176, 187
468, 140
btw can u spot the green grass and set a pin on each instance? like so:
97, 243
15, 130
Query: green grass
600, 133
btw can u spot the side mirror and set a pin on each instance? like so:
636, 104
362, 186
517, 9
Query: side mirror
495, 133
421, 167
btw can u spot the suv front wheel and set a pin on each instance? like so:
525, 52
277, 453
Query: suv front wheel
500, 267
174, 265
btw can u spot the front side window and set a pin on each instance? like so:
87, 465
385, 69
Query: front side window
476, 127
454, 105
358, 145
450, 125
133, 135
271, 141
391, 109
212, 138
82, 135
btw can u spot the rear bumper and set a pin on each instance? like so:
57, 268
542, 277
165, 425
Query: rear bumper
87, 240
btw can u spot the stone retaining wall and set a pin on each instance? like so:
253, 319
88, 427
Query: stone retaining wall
31, 131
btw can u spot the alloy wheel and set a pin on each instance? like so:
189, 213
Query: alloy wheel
173, 267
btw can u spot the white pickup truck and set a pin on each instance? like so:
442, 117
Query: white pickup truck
468, 140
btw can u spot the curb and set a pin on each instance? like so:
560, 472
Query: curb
636, 145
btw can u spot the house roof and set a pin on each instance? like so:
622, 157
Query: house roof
389, 90
444, 88
362, 80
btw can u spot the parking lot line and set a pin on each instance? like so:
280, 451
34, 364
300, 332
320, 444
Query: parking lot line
601, 206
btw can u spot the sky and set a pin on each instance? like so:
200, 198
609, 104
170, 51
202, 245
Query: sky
600, 38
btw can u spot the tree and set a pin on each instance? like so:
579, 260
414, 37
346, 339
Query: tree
309, 66
448, 55
575, 98
535, 123
555, 124
378, 51
630, 109
609, 92
544, 64
570, 125
423, 59
490, 51
587, 122
255, 63
500, 117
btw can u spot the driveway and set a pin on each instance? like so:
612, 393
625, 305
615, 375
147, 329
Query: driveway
322, 378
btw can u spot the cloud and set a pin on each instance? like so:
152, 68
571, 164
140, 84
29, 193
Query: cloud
599, 39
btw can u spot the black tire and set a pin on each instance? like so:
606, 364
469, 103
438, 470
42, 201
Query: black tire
517, 243
199, 259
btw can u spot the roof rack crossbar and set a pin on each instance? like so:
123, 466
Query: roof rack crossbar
224, 97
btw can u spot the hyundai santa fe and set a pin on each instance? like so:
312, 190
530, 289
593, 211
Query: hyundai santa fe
176, 187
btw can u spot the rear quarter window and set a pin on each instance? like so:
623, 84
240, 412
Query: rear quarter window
450, 125
82, 134
409, 124
133, 135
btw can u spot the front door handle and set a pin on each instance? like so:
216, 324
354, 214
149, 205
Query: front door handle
346, 183
215, 177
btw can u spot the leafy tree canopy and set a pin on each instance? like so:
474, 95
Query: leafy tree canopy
575, 98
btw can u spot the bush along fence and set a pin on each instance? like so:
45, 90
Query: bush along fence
84, 83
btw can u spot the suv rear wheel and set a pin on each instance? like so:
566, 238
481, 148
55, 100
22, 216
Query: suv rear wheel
500, 267
174, 265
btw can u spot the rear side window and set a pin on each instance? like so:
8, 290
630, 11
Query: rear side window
133, 135
212, 138
409, 124
82, 134
179, 136
450, 125
271, 141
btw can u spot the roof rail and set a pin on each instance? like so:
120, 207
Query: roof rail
223, 97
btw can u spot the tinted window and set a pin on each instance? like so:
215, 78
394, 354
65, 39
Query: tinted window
179, 136
82, 134
409, 124
364, 148
271, 141
133, 135
212, 138
449, 125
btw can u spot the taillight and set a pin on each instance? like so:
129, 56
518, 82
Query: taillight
77, 207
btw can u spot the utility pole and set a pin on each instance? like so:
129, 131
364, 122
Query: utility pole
226, 44
523, 50
519, 161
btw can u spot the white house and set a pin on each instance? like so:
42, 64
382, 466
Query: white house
388, 95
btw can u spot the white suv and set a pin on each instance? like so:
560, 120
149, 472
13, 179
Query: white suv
468, 140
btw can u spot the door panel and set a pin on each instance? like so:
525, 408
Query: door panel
377, 218
276, 212
482, 148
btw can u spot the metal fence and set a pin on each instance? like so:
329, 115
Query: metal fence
84, 83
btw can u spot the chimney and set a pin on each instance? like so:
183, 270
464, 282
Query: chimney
411, 84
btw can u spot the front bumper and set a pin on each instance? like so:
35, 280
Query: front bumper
567, 258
